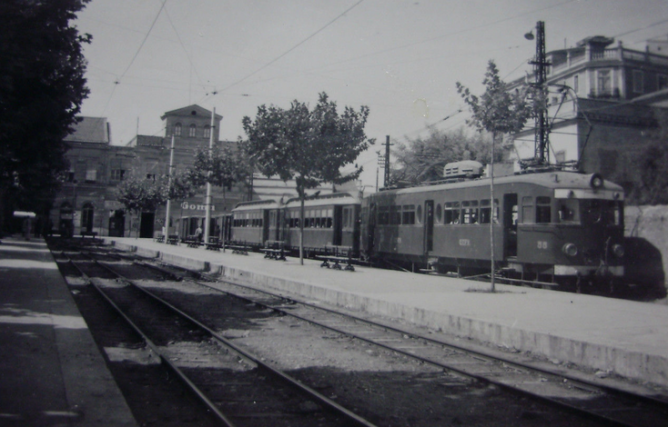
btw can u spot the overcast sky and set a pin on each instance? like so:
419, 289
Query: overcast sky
400, 58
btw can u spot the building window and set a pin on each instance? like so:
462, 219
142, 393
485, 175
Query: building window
576, 84
177, 129
661, 81
117, 174
604, 82
87, 217
192, 132
91, 175
638, 81
207, 131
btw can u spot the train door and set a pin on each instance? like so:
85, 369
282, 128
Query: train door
429, 225
267, 217
510, 218
370, 222
338, 225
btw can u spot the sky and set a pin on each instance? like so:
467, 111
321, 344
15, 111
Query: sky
402, 59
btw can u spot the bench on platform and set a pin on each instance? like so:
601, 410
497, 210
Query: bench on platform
191, 242
239, 248
160, 239
173, 239
214, 244
274, 249
337, 255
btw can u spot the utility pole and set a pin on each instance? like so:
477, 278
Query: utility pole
207, 203
386, 180
541, 132
169, 190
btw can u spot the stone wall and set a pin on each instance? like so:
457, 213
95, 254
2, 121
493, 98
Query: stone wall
647, 243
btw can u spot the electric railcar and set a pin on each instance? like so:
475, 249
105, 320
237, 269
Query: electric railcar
558, 227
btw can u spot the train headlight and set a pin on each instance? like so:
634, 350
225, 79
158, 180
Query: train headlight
570, 249
618, 250
596, 181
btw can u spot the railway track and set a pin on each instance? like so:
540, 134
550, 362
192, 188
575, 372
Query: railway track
600, 405
589, 400
236, 387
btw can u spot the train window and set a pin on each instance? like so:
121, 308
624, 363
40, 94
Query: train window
470, 212
543, 210
452, 213
485, 211
383, 215
439, 213
395, 215
527, 210
568, 211
418, 215
408, 215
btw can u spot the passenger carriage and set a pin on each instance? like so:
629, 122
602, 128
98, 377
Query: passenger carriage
250, 222
329, 221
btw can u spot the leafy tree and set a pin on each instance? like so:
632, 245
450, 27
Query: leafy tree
309, 146
423, 159
498, 111
223, 167
141, 195
42, 86
182, 187
652, 166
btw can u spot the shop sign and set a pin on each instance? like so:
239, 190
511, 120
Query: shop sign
194, 207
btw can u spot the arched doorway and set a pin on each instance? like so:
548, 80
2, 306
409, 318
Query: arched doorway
87, 214
117, 223
146, 226
66, 223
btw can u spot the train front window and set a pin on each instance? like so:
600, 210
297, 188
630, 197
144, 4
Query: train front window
605, 212
568, 211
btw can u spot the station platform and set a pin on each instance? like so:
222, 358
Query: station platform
51, 371
609, 335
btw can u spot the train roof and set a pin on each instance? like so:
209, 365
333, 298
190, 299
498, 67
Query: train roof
256, 204
327, 199
554, 180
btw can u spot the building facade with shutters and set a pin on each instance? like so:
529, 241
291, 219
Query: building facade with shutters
602, 105
87, 201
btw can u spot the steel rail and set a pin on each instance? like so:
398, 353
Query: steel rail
572, 408
351, 416
154, 348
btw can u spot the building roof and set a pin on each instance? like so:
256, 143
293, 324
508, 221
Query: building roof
90, 129
189, 110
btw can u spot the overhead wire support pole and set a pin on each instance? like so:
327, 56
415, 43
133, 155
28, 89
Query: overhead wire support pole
207, 203
542, 128
386, 179
169, 190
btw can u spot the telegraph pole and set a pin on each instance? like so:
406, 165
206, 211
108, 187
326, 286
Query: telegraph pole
386, 180
207, 216
169, 189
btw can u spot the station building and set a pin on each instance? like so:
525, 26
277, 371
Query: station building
87, 201
603, 101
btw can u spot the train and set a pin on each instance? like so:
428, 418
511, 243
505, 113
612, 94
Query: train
557, 227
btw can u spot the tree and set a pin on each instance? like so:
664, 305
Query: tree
141, 195
423, 159
309, 146
498, 111
42, 86
652, 166
222, 167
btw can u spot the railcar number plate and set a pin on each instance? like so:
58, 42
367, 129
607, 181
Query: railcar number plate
464, 242
542, 244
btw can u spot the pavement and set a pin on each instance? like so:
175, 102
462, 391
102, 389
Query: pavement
627, 338
51, 371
